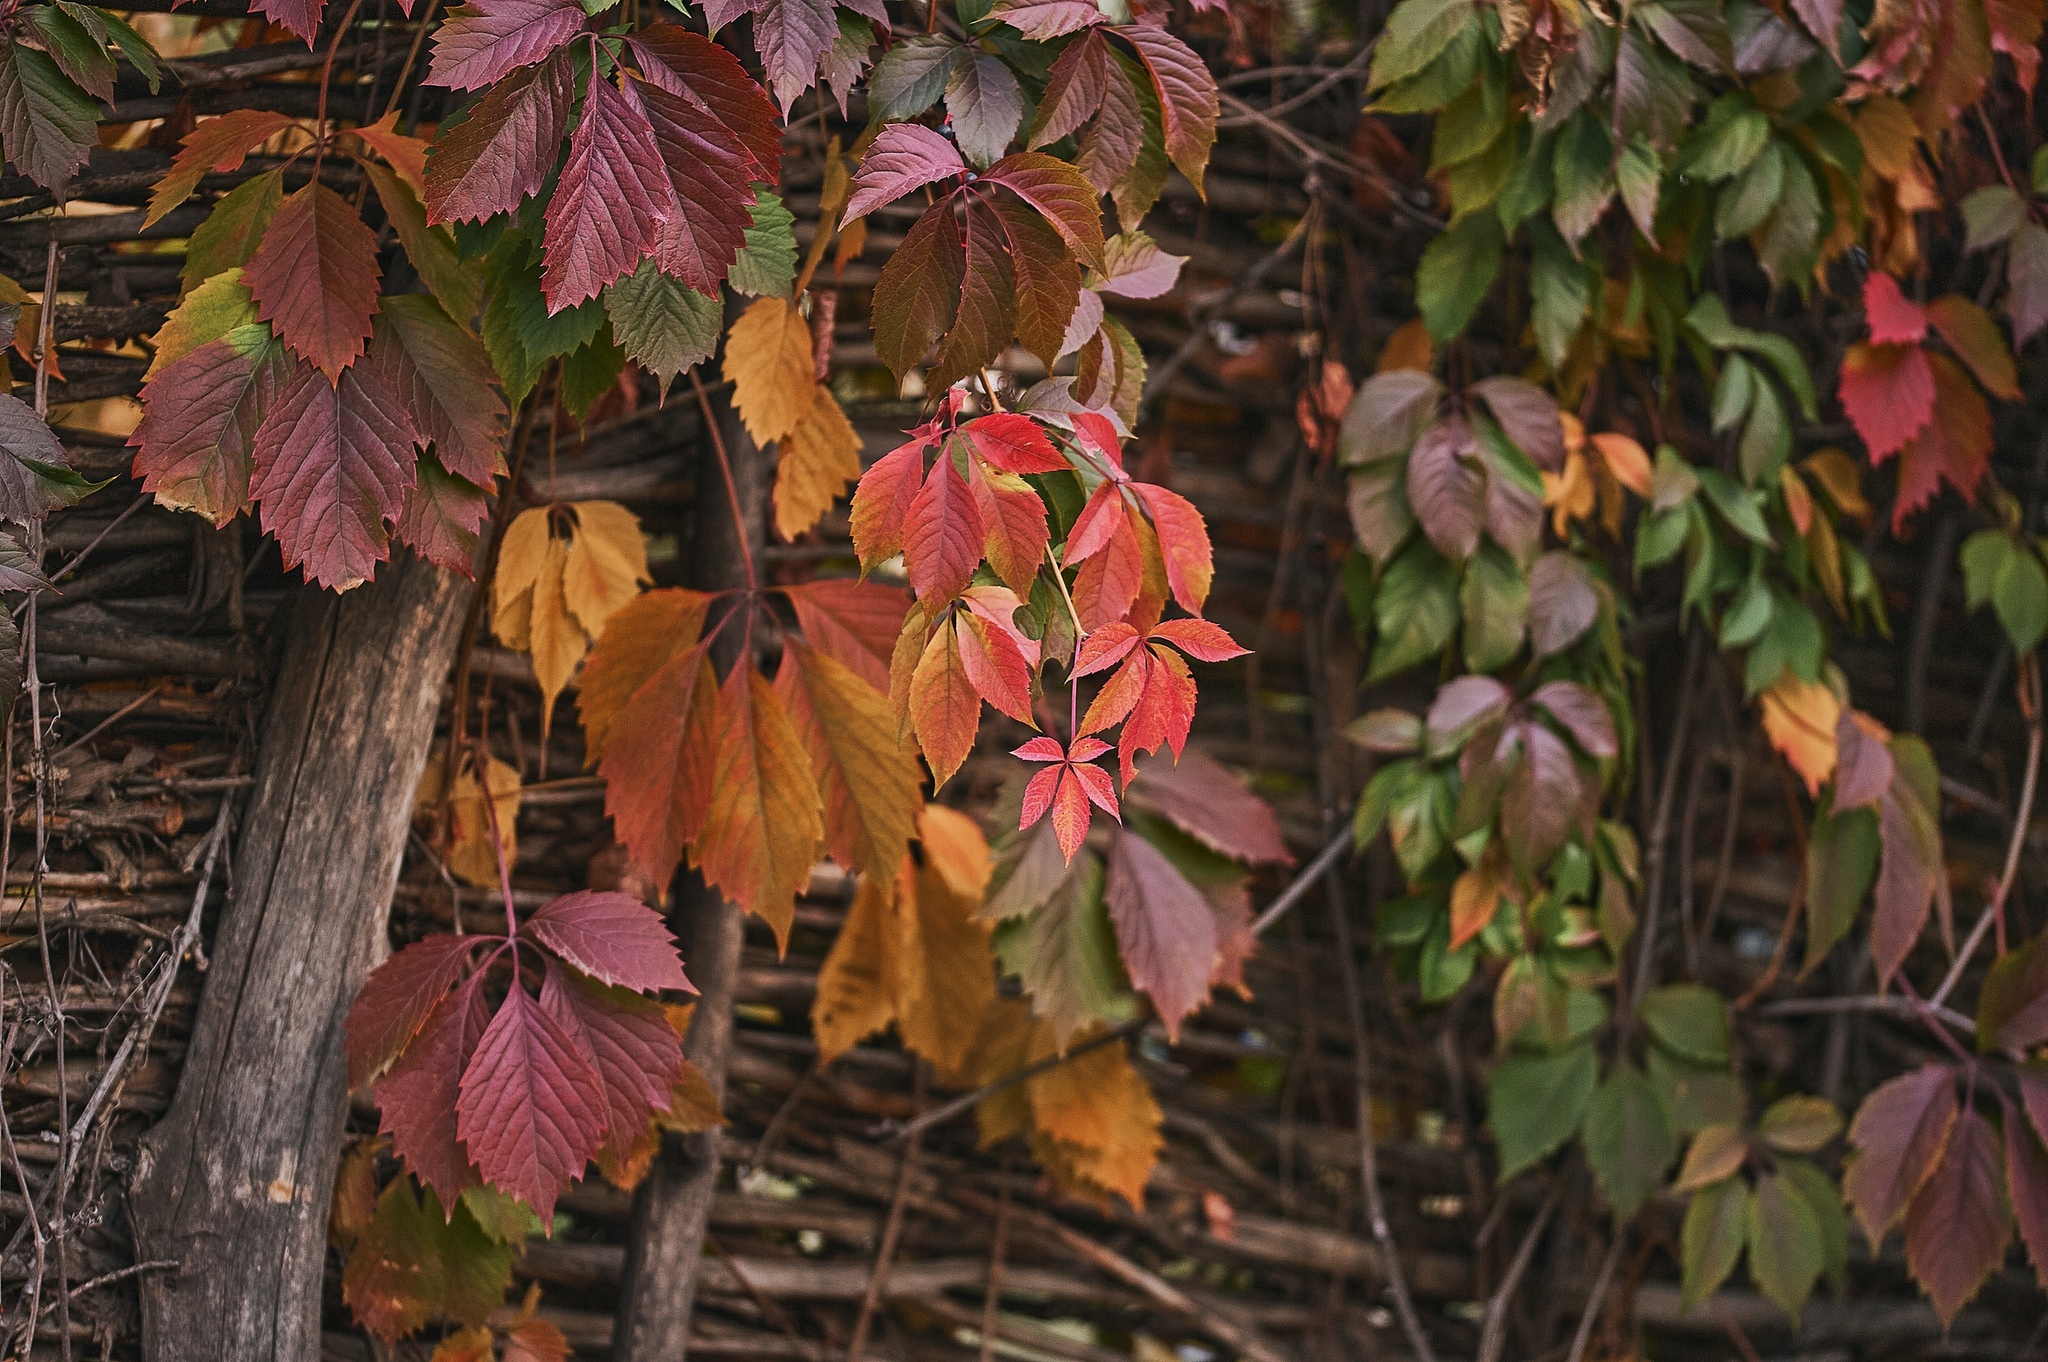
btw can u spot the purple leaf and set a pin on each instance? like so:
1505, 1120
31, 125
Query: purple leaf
1462, 707
1165, 929
627, 1039
904, 157
1529, 417
416, 1100
396, 999
610, 203
1562, 602
1899, 1134
1446, 487
793, 37
532, 1109
481, 43
1583, 714
1207, 801
610, 936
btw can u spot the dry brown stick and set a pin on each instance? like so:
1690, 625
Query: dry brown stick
1584, 1337
992, 1293
892, 1232
770, 1309
1660, 828
1493, 1337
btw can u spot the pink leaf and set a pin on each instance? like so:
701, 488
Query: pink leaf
1165, 929
610, 202
630, 1043
532, 1109
1899, 1133
396, 999
1582, 713
1104, 648
479, 44
1447, 488
1207, 801
610, 936
1958, 1226
903, 157
1894, 319
416, 1100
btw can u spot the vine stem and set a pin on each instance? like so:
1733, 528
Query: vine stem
481, 759
732, 492
326, 79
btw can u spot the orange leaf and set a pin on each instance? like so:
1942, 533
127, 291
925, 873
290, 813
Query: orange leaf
659, 763
1475, 896
638, 639
768, 362
761, 834
1626, 460
1800, 717
866, 772
945, 707
816, 461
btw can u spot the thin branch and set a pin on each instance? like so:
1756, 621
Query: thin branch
1493, 1337
732, 491
892, 1234
1584, 1336
2029, 688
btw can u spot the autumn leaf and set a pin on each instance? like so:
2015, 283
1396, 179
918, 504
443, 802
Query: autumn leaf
532, 1106
315, 278
1900, 1134
1066, 789
473, 851
817, 460
215, 146
1166, 930
866, 773
763, 827
1800, 718
768, 362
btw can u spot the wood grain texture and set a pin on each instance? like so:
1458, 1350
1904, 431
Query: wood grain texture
235, 1181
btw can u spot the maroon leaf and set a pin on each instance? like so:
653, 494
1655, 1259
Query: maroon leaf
1542, 796
479, 44
610, 936
1899, 1133
707, 199
532, 1108
1583, 714
1906, 883
629, 1042
902, 158
416, 1100
1206, 800
396, 999
1463, 706
1060, 193
441, 516
2033, 1082
1112, 145
1562, 602
300, 17
1446, 487
793, 37
988, 301
1165, 929
610, 203
918, 293
333, 464
439, 371
1863, 765
2026, 1173
1187, 96
1074, 92
1957, 1227
315, 278
194, 448
505, 149
1044, 20
1048, 281
1528, 415
687, 63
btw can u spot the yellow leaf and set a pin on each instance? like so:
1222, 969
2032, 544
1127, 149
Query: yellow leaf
816, 462
761, 833
867, 772
1798, 501
693, 1106
768, 363
1569, 494
606, 565
522, 556
1717, 1152
638, 640
1408, 348
954, 846
213, 309
471, 853
1825, 554
852, 1002
556, 641
1800, 718
1101, 1112
467, 1345
1836, 474
1002, 1048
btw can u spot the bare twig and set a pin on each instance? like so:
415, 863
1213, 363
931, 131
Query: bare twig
892, 1232
2029, 687
1584, 1336
992, 1294
1493, 1336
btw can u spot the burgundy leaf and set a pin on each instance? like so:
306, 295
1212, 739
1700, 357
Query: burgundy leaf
1165, 929
441, 517
480, 43
194, 445
1463, 706
1863, 765
438, 370
1446, 487
918, 293
532, 1109
903, 157
2026, 1173
988, 300
315, 278
1583, 714
1957, 1227
628, 1041
1542, 798
1206, 800
1905, 886
793, 37
1562, 602
687, 63
1074, 92
1529, 417
396, 999
610, 936
610, 202
1060, 193
707, 200
1188, 102
1514, 516
2033, 1082
299, 17
503, 151
1044, 20
416, 1099
1899, 1133
1111, 147
333, 464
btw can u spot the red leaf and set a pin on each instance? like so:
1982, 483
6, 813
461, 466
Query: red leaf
683, 62
1121, 694
1013, 522
333, 464
2026, 1172
436, 368
882, 502
793, 37
1187, 96
1888, 393
216, 146
194, 448
1893, 318
630, 1043
532, 1108
1044, 20
1899, 1133
1953, 448
610, 936
658, 763
1105, 647
855, 623
1098, 523
300, 17
902, 158
1446, 487
1958, 1226
441, 516
315, 278
611, 201
1013, 443
1207, 801
1074, 92
1183, 543
1165, 929
1060, 194
995, 667
918, 292
1109, 582
1164, 713
480, 43
1067, 789
708, 200
943, 533
396, 998
505, 149
1201, 640
416, 1099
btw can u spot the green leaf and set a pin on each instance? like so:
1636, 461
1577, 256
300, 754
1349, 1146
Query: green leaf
2021, 599
1494, 600
1440, 82
1731, 136
518, 331
1732, 393
1737, 505
1716, 1223
1743, 206
1990, 216
1639, 175
1709, 321
1469, 124
1441, 971
1841, 860
1581, 170
1689, 1020
1984, 554
911, 76
665, 326
1560, 293
1387, 785
1747, 614
1790, 240
1415, 609
1659, 535
1535, 1103
766, 265
1630, 1141
1785, 1249
1065, 953
1417, 32
1767, 439
133, 45
1457, 270
77, 52
1697, 1097
1825, 1199
1799, 1124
